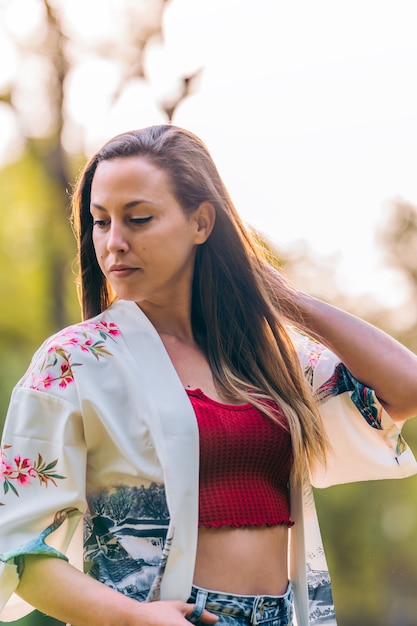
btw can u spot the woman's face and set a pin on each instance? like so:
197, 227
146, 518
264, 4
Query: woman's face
144, 241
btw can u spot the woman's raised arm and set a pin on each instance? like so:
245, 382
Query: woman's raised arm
373, 357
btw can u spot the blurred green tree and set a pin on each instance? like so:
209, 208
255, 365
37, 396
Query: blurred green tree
369, 528
398, 240
37, 248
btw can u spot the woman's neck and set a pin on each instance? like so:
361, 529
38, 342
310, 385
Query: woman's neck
174, 322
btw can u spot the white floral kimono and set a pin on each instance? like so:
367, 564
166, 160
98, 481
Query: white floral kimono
101, 427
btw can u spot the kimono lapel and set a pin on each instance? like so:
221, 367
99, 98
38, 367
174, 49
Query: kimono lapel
309, 573
172, 422
297, 558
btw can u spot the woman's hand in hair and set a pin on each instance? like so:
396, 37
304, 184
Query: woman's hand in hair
285, 297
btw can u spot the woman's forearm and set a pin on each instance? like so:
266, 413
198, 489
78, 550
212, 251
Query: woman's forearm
372, 356
56, 588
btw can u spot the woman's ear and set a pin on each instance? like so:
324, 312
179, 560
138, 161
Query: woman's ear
205, 217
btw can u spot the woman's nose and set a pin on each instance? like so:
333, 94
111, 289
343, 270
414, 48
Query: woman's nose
117, 240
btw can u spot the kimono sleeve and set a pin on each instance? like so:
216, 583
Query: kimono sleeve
365, 443
42, 485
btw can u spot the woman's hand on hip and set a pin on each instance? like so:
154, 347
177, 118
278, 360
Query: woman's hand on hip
170, 613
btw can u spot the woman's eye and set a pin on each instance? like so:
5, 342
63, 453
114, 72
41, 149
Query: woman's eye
140, 220
100, 223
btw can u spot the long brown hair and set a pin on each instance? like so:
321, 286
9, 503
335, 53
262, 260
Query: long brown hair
236, 314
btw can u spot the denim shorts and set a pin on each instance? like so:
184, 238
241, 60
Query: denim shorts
234, 610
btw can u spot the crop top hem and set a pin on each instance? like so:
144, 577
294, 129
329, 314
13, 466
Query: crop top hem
231, 524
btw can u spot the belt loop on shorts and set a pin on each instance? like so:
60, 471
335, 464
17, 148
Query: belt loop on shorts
200, 603
254, 615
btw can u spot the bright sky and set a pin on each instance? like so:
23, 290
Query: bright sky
309, 108
312, 115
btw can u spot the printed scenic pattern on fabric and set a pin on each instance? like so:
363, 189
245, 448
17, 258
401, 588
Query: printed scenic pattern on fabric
362, 397
125, 534
342, 381
321, 606
57, 365
38, 545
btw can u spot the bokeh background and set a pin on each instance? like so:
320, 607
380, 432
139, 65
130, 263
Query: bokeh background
309, 107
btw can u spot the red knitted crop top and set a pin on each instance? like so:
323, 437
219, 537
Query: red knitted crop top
245, 463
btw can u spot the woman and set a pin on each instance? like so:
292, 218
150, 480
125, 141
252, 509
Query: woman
177, 414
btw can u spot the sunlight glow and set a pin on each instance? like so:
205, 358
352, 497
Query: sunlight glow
309, 107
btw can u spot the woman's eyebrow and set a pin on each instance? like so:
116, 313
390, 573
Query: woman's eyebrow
128, 205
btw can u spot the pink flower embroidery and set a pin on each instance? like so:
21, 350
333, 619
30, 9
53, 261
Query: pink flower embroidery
313, 359
24, 470
314, 355
111, 328
58, 366
5, 466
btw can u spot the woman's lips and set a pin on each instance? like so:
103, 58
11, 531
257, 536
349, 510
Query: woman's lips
122, 271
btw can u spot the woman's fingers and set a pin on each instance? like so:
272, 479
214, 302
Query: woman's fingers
206, 616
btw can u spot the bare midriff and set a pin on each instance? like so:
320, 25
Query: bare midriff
244, 561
